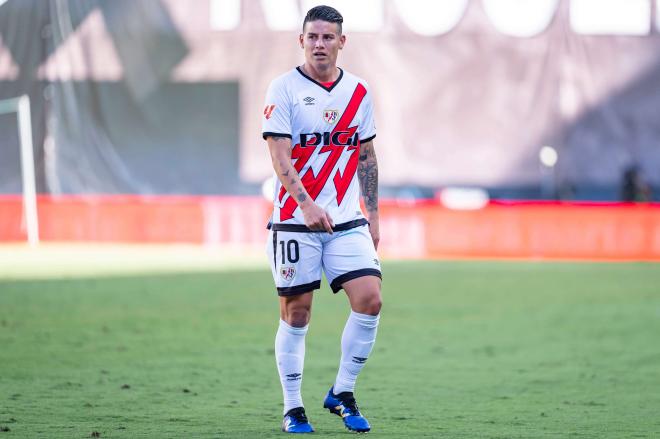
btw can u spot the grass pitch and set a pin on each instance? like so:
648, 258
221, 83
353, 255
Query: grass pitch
465, 350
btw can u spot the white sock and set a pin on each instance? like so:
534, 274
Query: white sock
356, 344
290, 357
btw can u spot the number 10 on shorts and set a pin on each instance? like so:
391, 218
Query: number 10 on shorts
290, 251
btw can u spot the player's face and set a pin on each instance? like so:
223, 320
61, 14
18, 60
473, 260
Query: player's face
321, 42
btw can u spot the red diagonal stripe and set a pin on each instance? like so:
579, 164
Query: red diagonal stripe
351, 109
314, 184
342, 182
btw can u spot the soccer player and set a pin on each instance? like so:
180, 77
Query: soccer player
318, 122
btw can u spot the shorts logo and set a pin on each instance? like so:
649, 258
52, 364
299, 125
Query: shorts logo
288, 273
268, 111
330, 116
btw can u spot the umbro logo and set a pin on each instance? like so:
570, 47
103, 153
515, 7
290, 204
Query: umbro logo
294, 377
309, 100
359, 360
376, 262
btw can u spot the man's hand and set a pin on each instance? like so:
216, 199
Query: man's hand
374, 230
316, 218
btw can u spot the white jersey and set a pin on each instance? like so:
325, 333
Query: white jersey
326, 125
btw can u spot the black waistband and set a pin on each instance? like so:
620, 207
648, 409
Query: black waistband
301, 228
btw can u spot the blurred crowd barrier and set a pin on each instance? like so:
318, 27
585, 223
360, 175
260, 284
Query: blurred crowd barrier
412, 230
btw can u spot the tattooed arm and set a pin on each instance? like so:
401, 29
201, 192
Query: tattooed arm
368, 176
280, 153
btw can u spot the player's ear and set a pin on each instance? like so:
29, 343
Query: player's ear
342, 41
300, 40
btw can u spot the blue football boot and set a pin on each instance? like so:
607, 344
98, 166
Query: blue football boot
295, 421
344, 405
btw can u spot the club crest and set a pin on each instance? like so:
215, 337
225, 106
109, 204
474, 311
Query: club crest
288, 273
330, 116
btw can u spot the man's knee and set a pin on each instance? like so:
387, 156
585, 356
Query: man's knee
373, 304
364, 295
368, 302
296, 311
297, 317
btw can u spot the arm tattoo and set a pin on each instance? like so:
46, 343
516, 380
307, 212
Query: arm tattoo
368, 176
284, 168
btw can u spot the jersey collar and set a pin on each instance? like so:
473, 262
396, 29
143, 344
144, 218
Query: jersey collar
341, 74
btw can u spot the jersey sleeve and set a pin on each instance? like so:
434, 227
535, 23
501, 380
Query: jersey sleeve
276, 119
367, 128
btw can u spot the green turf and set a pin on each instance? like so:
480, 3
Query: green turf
465, 350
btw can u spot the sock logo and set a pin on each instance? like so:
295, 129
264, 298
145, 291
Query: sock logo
294, 377
359, 360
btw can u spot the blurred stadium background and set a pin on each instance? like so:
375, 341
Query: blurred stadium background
505, 128
518, 130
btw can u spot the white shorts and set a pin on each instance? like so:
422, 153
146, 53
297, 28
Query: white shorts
298, 257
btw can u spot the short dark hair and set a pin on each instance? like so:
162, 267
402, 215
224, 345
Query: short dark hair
324, 13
